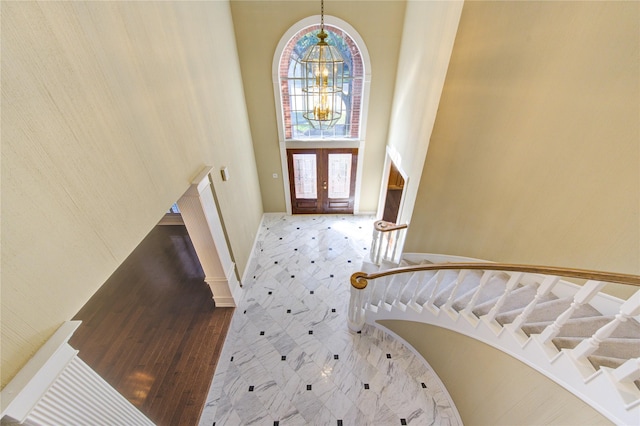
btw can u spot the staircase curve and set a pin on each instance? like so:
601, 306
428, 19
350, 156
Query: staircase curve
577, 335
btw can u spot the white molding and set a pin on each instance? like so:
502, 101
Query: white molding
254, 251
601, 395
225, 302
171, 219
27, 387
596, 390
202, 219
391, 153
233, 283
57, 387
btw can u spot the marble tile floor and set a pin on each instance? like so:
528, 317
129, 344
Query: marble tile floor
289, 358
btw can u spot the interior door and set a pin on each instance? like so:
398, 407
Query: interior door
322, 180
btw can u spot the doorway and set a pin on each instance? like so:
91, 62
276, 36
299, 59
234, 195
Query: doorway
322, 180
395, 187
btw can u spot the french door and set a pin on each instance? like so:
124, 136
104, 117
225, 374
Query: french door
322, 180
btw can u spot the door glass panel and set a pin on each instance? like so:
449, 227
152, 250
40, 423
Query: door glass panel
304, 175
339, 175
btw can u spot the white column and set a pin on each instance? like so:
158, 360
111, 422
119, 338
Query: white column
200, 215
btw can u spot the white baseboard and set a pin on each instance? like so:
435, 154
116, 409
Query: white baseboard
171, 219
224, 302
254, 249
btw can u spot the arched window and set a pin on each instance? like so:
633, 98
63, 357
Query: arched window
295, 126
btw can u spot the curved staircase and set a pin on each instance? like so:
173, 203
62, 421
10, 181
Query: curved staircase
580, 337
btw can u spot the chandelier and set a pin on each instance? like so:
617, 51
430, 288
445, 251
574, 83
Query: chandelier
322, 68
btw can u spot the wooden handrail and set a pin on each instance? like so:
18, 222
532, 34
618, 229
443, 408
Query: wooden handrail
384, 226
359, 280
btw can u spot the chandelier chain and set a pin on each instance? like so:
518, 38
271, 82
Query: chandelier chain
321, 15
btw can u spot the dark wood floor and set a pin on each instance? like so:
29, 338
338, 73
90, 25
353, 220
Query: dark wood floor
152, 331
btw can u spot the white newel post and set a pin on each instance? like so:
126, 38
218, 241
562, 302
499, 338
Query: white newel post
200, 215
57, 388
355, 316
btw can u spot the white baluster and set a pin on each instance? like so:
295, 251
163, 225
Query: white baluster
387, 246
511, 284
374, 254
454, 293
395, 246
415, 279
432, 296
543, 290
422, 288
368, 297
629, 308
582, 296
389, 288
468, 310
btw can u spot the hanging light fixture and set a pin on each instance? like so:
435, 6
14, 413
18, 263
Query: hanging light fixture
322, 68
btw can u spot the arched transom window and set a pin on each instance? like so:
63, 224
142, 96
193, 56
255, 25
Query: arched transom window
295, 126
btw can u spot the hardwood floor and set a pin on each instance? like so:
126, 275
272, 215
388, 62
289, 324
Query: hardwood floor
152, 331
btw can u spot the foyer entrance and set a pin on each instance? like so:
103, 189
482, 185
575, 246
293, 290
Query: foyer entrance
322, 180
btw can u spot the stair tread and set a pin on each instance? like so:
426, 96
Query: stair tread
586, 326
416, 280
409, 262
610, 362
386, 265
547, 310
616, 347
513, 301
493, 289
449, 276
470, 281
606, 361
623, 344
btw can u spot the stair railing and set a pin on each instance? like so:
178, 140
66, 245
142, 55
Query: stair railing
360, 280
420, 298
387, 241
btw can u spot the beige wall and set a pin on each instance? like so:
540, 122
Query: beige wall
427, 41
535, 154
490, 387
109, 109
259, 25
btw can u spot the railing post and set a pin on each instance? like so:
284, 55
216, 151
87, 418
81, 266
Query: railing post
355, 316
385, 243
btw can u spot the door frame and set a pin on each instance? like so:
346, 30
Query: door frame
284, 145
385, 184
322, 199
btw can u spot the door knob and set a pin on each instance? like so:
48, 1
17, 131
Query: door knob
324, 185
